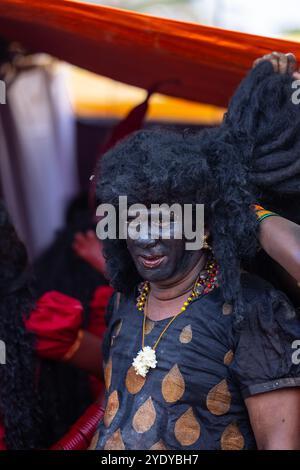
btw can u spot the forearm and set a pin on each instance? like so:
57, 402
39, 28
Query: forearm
275, 419
88, 356
280, 443
280, 238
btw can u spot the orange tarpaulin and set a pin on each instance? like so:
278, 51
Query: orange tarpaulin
196, 62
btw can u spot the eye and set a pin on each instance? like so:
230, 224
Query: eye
163, 220
165, 223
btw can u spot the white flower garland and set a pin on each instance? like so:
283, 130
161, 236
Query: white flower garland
145, 359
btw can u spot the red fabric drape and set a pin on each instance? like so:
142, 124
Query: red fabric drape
196, 62
81, 433
55, 321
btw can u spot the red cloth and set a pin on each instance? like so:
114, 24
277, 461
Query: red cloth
55, 321
81, 433
97, 327
2, 434
198, 63
97, 310
132, 122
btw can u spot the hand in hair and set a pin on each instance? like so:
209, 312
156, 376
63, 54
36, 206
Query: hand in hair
282, 63
264, 122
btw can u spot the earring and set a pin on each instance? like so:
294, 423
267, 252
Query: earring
206, 246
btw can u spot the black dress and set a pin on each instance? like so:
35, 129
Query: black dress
207, 366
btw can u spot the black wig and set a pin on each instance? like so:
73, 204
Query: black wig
253, 156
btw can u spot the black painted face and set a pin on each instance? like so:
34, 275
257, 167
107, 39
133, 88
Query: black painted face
163, 261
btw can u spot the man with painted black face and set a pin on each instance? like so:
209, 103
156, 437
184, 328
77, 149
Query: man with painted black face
198, 354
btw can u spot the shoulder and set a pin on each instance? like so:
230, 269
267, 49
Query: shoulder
254, 286
268, 310
258, 292
264, 339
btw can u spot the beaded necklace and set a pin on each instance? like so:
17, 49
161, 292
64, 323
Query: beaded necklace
205, 283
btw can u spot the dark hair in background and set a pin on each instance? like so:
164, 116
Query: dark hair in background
19, 409
64, 390
252, 157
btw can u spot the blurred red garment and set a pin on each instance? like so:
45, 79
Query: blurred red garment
97, 326
195, 62
97, 310
81, 433
2, 434
56, 321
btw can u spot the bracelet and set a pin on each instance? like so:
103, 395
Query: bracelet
264, 216
262, 213
74, 348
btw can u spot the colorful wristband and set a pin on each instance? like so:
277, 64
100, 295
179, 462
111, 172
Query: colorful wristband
265, 215
262, 213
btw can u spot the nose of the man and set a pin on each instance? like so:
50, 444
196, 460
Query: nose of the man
146, 242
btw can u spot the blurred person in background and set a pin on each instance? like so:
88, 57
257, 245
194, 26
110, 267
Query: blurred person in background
74, 266
38, 329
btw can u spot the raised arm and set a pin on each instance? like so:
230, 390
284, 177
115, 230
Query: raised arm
265, 122
280, 238
275, 419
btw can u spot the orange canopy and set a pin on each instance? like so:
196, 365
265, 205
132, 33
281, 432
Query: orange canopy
195, 62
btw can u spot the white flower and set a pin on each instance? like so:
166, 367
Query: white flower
145, 359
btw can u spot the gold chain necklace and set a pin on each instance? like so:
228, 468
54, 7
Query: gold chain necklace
205, 283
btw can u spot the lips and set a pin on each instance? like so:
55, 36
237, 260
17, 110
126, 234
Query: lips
151, 261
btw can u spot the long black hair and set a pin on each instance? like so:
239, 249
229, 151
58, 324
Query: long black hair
18, 376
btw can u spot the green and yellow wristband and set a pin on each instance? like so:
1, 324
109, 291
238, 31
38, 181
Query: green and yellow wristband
262, 213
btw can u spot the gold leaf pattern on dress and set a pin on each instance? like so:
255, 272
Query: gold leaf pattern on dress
186, 335
173, 385
158, 446
145, 417
149, 325
187, 428
111, 409
227, 309
134, 382
232, 439
94, 441
219, 399
228, 357
108, 373
115, 442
